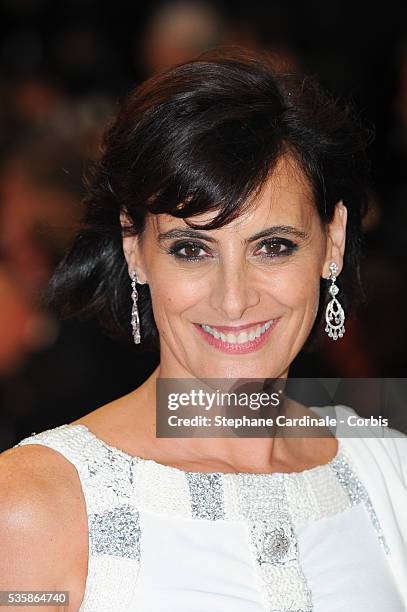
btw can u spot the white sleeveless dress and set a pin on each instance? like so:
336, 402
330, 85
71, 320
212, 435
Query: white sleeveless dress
162, 539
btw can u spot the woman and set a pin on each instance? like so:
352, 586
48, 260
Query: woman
230, 198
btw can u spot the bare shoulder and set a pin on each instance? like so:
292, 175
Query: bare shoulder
35, 468
43, 523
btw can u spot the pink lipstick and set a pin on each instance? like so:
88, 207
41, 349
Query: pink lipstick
234, 348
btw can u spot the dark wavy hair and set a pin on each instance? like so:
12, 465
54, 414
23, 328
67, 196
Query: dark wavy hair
204, 136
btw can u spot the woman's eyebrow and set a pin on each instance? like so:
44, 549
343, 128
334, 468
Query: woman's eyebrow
269, 231
279, 229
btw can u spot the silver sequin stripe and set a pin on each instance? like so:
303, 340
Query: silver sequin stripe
116, 532
357, 493
206, 495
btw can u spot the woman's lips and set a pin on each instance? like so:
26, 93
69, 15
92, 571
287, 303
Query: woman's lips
246, 347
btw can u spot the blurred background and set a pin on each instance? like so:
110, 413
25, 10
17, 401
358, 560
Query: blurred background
64, 68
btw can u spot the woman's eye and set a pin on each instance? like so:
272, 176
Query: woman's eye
188, 250
274, 248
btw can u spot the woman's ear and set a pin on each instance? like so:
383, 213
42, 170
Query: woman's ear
132, 249
336, 238
128, 240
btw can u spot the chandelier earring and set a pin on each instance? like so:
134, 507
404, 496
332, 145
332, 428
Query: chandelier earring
334, 314
135, 318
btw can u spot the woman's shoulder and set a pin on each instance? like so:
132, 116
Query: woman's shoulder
35, 481
41, 517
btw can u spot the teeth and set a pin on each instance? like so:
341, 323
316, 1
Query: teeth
242, 337
252, 335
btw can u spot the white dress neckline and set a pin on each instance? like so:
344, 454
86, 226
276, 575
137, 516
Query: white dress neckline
162, 466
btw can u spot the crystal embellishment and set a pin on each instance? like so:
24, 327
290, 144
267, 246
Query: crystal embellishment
357, 493
206, 492
333, 268
115, 532
275, 544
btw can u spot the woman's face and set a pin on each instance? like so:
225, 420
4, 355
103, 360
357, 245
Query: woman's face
238, 278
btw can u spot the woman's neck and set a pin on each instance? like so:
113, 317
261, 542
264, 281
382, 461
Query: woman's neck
277, 453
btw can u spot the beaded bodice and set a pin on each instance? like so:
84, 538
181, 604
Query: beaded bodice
123, 494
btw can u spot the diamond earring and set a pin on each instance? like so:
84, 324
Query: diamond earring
334, 314
135, 319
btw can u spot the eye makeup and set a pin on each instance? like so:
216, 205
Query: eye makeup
280, 247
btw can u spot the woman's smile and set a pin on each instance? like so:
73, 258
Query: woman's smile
246, 341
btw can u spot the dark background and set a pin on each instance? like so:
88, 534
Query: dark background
64, 68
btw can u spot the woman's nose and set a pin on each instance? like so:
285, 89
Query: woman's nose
233, 292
